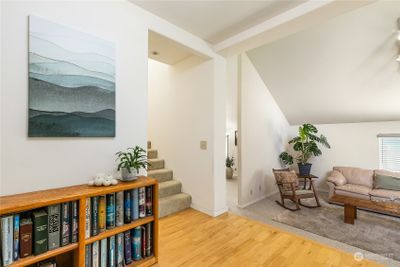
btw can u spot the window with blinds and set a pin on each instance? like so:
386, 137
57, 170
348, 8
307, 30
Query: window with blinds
389, 152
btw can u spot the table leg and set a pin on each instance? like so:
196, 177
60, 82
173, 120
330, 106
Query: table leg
350, 212
305, 184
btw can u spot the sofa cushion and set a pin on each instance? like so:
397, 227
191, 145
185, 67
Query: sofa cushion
357, 176
386, 182
386, 172
353, 188
337, 178
385, 194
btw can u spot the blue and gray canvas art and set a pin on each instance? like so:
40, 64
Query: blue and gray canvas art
71, 82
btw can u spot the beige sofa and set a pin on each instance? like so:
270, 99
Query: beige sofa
360, 183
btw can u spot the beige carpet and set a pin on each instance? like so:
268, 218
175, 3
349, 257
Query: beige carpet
377, 233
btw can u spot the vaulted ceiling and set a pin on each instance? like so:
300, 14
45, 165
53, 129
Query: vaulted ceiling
343, 70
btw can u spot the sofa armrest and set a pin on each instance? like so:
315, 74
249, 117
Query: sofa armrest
337, 178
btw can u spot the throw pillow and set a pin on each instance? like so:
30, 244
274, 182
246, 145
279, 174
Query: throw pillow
387, 180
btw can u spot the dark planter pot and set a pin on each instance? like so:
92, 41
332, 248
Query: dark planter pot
304, 169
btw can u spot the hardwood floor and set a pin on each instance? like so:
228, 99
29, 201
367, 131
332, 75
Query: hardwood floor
191, 238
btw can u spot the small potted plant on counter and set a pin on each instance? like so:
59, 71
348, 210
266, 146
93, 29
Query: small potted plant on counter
305, 146
131, 161
229, 164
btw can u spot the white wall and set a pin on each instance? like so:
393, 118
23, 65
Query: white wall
263, 131
232, 107
182, 112
29, 164
352, 144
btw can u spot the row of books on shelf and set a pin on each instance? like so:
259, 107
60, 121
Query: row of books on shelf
38, 231
121, 249
111, 210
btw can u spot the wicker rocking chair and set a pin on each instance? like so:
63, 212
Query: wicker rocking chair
288, 185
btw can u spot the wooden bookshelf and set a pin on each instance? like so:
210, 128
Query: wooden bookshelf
44, 256
39, 199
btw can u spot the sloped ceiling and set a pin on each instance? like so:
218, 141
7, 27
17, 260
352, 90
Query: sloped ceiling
343, 70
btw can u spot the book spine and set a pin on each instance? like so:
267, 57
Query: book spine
65, 223
110, 211
127, 247
7, 240
132, 204
119, 208
149, 241
95, 216
54, 226
102, 213
40, 233
127, 207
16, 237
88, 255
135, 204
95, 254
120, 250
143, 241
103, 253
149, 201
25, 238
142, 202
88, 223
74, 221
136, 244
111, 250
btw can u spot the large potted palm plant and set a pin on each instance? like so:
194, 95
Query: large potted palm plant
305, 146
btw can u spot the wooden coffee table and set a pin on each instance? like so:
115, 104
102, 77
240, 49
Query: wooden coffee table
351, 204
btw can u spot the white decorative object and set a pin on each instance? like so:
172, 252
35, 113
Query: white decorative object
129, 175
102, 179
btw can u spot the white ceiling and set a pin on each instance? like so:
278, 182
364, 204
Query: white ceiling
215, 21
166, 50
343, 70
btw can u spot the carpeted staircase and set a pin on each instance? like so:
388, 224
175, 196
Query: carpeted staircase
171, 198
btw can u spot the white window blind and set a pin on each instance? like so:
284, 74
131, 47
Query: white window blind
389, 152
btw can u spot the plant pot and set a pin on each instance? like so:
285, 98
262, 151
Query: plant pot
229, 173
129, 176
304, 169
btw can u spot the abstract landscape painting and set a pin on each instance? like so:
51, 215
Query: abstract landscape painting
71, 82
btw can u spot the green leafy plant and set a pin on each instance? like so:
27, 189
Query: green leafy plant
132, 158
229, 162
305, 145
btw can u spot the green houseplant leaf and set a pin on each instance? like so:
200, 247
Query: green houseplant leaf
133, 157
305, 145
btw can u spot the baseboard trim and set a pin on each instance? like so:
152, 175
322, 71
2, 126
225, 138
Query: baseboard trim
213, 213
257, 199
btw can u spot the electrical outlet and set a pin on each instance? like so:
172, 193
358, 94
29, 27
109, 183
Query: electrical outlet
251, 191
259, 187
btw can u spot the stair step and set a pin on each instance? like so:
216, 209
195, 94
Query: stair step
174, 203
152, 154
156, 164
161, 175
169, 188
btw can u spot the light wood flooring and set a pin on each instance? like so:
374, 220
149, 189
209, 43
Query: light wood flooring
192, 238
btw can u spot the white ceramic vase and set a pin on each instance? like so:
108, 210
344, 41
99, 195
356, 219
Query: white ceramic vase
129, 176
